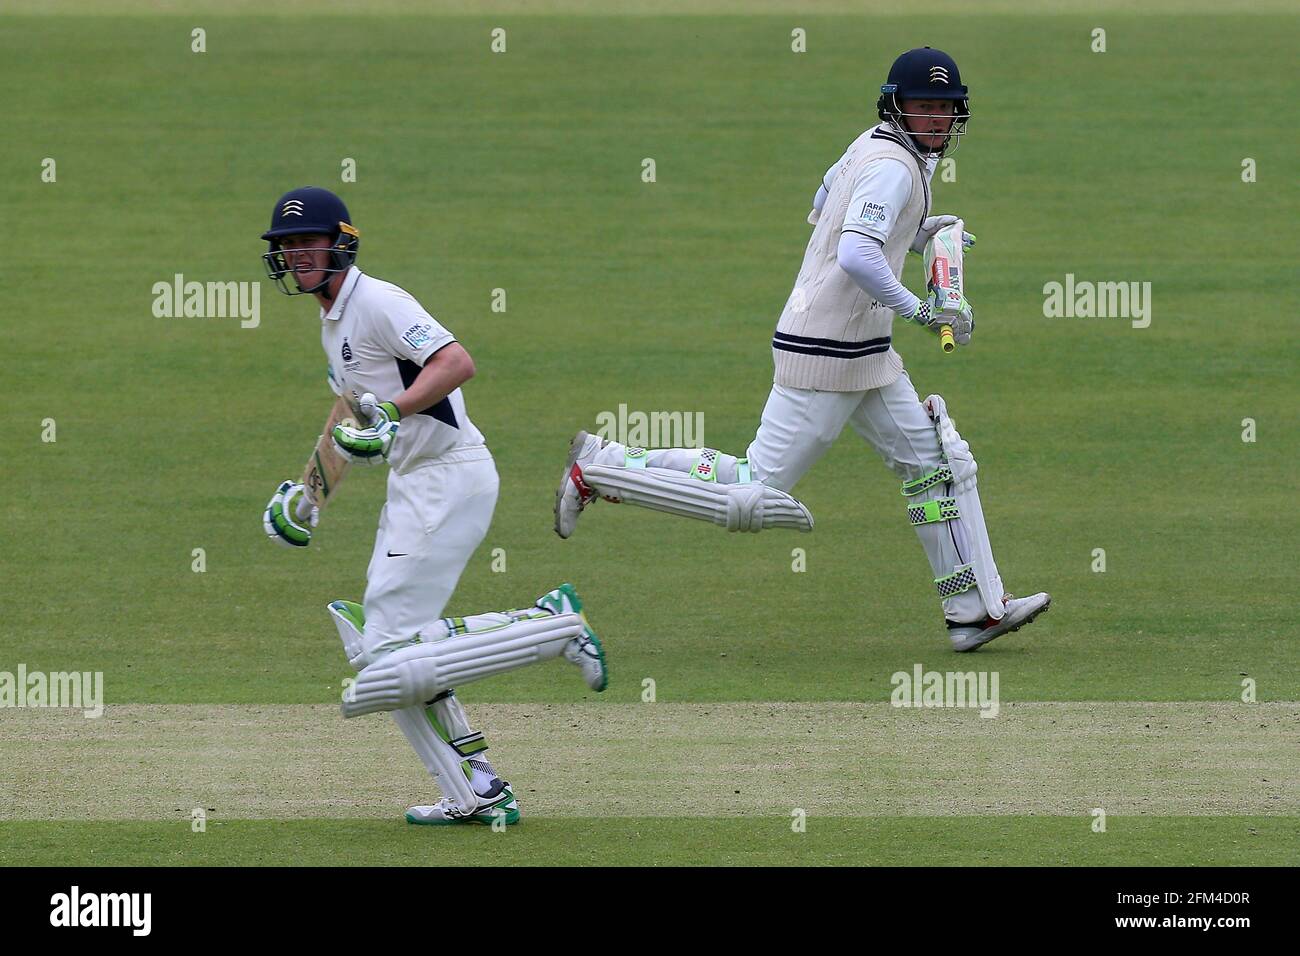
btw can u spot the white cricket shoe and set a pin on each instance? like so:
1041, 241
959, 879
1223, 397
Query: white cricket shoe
1020, 611
585, 651
497, 803
574, 494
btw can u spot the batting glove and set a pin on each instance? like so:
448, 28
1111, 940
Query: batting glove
290, 516
369, 445
945, 307
932, 225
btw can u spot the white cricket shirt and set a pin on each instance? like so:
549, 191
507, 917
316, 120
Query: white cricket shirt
377, 339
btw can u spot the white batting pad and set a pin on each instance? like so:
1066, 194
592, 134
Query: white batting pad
962, 464
417, 723
438, 757
416, 673
751, 506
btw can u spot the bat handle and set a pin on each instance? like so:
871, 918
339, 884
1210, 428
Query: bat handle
946, 341
367, 405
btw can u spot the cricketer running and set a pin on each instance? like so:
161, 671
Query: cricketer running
397, 363
836, 365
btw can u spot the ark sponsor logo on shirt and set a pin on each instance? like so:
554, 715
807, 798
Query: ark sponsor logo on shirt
418, 335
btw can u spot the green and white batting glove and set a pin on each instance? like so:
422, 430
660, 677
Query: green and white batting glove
932, 225
368, 446
945, 307
290, 516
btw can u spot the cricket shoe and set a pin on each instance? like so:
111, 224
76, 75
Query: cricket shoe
1020, 611
585, 651
574, 493
499, 802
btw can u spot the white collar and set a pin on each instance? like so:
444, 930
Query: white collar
929, 160
345, 292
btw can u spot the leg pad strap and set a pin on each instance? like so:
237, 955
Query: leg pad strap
928, 512
941, 475
963, 579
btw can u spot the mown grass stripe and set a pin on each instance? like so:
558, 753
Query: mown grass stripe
159, 762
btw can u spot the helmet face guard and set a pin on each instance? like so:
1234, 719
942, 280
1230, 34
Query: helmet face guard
310, 211
342, 254
925, 74
890, 108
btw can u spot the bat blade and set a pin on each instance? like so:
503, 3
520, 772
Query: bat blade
945, 274
326, 467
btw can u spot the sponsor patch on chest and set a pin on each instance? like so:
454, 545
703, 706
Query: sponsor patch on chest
418, 336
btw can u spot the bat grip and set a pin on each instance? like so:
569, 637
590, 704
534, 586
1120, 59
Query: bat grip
946, 341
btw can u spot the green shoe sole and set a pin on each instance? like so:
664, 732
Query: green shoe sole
512, 816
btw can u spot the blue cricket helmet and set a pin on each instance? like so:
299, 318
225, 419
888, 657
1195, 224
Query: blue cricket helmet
310, 211
925, 74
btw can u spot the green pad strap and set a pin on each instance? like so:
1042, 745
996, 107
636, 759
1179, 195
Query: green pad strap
706, 468
469, 745
928, 512
939, 476
963, 579
744, 474
634, 458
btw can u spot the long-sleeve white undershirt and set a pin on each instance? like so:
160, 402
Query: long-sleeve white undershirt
863, 258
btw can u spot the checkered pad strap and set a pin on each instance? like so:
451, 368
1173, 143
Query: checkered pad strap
634, 458
706, 468
928, 512
939, 476
963, 579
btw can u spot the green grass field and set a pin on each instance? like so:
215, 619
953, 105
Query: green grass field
522, 171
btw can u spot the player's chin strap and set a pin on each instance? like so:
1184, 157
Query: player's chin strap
322, 287
957, 471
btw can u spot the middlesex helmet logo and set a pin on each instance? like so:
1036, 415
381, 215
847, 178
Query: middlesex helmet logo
292, 208
938, 74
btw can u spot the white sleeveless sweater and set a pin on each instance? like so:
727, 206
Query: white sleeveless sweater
832, 336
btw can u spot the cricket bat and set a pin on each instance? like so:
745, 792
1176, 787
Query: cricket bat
326, 467
945, 274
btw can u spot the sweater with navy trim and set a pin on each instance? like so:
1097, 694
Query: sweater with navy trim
832, 336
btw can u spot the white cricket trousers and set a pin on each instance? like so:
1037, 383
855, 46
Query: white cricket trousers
800, 424
436, 514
